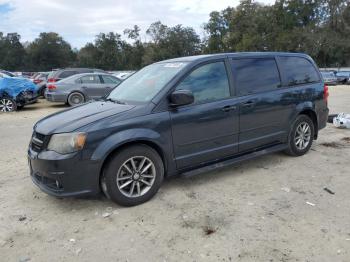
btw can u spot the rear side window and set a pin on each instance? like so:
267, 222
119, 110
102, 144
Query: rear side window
65, 74
89, 79
254, 75
207, 83
298, 70
110, 79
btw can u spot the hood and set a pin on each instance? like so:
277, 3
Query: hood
15, 85
77, 117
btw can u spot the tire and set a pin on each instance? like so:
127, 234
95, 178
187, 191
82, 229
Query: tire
299, 147
7, 105
128, 186
75, 98
42, 92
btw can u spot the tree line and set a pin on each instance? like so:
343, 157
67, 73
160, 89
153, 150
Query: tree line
320, 28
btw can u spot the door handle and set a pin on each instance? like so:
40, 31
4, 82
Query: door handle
248, 103
228, 108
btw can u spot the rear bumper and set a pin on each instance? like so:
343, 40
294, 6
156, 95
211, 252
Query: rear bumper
53, 97
63, 175
322, 118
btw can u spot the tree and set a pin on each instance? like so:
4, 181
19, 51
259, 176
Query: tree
12, 53
49, 51
88, 56
169, 42
134, 52
320, 28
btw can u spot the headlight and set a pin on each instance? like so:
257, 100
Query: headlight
67, 142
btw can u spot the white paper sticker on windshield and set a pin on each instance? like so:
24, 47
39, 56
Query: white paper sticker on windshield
173, 65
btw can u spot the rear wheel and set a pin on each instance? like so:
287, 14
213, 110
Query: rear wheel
301, 136
7, 105
75, 98
133, 175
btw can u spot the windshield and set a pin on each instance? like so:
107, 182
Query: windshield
146, 83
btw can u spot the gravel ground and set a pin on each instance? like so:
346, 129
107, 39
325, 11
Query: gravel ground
273, 208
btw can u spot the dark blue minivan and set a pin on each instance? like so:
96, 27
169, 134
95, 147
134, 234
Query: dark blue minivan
184, 115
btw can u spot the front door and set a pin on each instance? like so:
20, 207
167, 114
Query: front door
207, 129
92, 86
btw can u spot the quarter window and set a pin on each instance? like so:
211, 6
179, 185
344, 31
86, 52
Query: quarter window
207, 83
298, 70
254, 75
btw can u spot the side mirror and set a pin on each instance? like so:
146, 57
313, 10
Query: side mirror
181, 98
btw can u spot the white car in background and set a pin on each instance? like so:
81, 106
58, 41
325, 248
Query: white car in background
329, 77
122, 74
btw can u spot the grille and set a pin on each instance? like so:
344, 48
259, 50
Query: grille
37, 143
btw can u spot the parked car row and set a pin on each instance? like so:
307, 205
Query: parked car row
336, 77
72, 86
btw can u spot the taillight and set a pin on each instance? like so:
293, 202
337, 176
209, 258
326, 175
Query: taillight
51, 87
51, 80
37, 81
325, 93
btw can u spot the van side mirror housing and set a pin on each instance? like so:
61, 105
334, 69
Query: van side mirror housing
181, 97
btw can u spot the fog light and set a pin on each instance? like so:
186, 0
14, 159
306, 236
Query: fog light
58, 185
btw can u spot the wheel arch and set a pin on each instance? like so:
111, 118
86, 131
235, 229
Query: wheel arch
122, 146
76, 91
313, 116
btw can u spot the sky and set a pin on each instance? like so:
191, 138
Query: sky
79, 21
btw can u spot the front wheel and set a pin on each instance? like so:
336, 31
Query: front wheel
75, 99
7, 105
301, 136
133, 175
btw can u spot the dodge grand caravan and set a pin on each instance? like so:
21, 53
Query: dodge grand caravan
184, 115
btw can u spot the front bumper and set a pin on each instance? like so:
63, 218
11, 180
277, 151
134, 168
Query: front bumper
64, 175
26, 98
322, 118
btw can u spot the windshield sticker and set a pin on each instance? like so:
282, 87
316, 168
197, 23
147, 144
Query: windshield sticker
173, 65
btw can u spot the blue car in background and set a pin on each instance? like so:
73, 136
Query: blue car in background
15, 92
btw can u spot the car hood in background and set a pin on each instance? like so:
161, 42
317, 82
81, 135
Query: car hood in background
15, 85
77, 117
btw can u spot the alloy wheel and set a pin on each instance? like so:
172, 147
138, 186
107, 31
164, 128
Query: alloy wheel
6, 105
76, 99
136, 176
302, 136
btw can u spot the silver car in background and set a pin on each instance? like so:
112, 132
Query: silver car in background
80, 88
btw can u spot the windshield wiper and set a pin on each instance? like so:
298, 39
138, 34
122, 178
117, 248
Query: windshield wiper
115, 101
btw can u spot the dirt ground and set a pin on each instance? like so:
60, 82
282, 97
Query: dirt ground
255, 211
